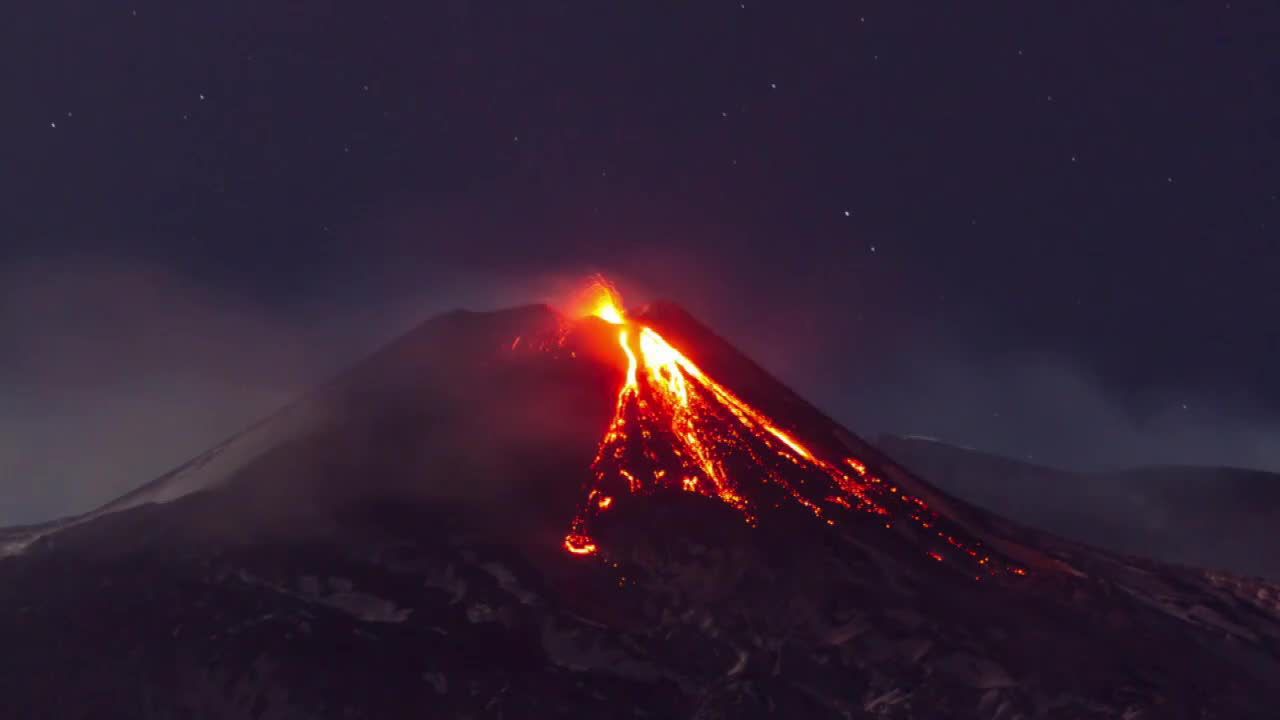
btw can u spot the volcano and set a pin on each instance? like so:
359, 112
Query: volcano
605, 512
674, 427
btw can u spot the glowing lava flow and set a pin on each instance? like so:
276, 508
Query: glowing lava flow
675, 427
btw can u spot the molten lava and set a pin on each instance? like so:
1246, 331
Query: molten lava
600, 299
676, 428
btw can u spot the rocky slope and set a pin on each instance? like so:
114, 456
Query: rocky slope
392, 546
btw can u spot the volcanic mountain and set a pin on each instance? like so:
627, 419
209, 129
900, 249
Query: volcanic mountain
600, 513
1218, 517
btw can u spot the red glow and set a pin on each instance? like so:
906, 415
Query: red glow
600, 299
670, 415
579, 545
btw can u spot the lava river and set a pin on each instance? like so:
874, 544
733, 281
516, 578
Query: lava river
676, 428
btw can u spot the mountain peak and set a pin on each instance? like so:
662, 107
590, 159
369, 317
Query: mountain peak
729, 546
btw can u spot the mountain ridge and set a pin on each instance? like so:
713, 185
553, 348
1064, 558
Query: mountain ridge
403, 557
1213, 517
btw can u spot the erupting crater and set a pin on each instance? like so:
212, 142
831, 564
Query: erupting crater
675, 428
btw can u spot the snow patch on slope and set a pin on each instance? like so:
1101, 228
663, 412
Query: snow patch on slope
207, 470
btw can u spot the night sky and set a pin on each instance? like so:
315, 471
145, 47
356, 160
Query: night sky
1048, 230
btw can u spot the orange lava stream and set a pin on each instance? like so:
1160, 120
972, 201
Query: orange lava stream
675, 427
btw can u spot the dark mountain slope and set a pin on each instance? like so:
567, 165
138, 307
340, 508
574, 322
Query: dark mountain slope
1223, 518
391, 546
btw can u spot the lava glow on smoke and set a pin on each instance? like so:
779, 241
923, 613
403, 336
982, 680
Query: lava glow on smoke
676, 428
